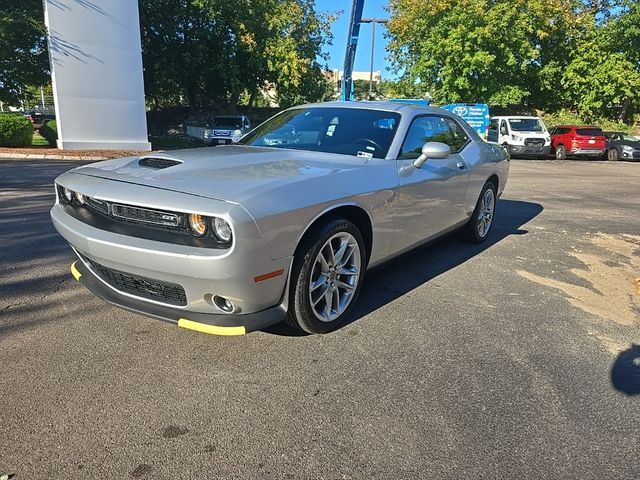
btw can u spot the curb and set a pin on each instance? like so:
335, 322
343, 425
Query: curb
48, 156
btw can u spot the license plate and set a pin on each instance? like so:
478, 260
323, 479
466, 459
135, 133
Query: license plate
592, 141
220, 141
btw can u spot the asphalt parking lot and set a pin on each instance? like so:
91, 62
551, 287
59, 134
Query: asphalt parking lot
518, 358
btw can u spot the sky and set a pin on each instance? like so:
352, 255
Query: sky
372, 8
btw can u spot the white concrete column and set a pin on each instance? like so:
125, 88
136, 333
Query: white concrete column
96, 72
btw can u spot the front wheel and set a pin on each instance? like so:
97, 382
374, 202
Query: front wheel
326, 277
613, 155
561, 152
479, 225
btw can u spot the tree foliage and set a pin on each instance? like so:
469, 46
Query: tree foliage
210, 52
23, 48
550, 54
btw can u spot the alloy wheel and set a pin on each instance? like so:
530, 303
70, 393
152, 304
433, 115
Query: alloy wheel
485, 212
334, 276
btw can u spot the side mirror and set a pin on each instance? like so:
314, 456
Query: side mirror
434, 151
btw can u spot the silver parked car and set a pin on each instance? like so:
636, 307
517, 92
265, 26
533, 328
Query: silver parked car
283, 225
224, 129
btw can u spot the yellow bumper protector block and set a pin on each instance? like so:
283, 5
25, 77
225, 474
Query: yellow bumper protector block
74, 271
211, 329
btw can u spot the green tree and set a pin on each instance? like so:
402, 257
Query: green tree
23, 48
212, 52
477, 50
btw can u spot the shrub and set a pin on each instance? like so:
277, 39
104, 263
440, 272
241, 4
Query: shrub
15, 130
49, 131
565, 117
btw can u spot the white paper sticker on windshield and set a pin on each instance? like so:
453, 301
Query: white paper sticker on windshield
366, 155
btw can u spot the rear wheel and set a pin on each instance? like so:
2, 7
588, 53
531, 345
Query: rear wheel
479, 225
613, 155
326, 277
561, 152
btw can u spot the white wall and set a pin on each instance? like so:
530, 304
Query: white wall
96, 70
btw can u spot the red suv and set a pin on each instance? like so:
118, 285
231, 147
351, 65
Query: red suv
574, 141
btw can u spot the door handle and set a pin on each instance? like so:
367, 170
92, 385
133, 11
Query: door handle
461, 165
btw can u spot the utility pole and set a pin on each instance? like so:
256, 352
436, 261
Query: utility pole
373, 43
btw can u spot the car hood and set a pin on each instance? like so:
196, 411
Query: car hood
628, 143
233, 173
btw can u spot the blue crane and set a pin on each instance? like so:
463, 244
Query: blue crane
346, 86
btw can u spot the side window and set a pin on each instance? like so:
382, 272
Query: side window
458, 137
503, 128
432, 129
492, 134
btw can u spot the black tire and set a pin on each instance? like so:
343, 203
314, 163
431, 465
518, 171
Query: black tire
613, 155
300, 314
471, 231
561, 152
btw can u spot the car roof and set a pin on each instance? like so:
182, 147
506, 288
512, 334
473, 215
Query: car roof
576, 126
517, 116
376, 105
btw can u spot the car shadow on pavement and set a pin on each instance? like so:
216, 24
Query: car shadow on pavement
625, 371
389, 281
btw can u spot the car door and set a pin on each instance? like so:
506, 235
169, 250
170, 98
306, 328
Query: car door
431, 198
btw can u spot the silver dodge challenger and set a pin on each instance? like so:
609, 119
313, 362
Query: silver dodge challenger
283, 225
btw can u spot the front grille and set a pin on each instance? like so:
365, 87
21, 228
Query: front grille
139, 286
97, 205
222, 133
157, 163
534, 142
145, 215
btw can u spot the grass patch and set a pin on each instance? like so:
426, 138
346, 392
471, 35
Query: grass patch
38, 141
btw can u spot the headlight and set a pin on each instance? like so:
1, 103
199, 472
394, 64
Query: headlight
222, 229
68, 194
627, 148
516, 138
237, 133
198, 224
80, 198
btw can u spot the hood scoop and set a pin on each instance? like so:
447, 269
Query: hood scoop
158, 162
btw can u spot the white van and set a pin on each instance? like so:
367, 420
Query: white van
526, 136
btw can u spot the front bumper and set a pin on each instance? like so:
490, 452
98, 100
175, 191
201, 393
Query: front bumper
197, 277
537, 150
626, 155
216, 324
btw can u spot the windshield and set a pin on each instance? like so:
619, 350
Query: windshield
231, 122
591, 132
630, 138
348, 131
526, 125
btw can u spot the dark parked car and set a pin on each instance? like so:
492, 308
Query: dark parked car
622, 146
39, 116
577, 141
